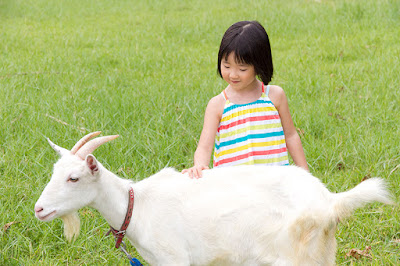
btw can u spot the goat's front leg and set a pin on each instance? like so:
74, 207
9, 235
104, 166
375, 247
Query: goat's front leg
161, 259
173, 262
282, 262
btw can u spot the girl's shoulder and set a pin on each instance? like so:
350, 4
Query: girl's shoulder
276, 95
217, 100
275, 90
216, 105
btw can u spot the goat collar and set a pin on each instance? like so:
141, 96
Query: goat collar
119, 234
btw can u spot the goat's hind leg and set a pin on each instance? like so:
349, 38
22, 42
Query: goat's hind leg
313, 240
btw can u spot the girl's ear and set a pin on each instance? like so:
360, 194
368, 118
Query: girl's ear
92, 164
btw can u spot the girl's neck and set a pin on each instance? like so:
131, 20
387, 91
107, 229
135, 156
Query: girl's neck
246, 95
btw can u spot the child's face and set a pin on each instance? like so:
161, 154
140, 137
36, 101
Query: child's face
238, 75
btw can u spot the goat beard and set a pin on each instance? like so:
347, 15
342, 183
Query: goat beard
72, 225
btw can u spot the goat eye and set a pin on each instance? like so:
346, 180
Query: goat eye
73, 179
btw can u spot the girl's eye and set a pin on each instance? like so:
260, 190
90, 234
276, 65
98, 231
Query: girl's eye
243, 70
226, 66
73, 179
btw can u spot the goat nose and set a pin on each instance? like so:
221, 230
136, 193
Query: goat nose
38, 209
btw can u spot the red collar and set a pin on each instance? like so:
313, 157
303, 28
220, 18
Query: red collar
119, 234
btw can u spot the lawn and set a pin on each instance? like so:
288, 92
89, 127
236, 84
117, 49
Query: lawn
146, 69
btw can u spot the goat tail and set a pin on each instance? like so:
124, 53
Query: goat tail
72, 225
368, 191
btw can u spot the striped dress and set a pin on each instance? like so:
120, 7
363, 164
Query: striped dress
250, 134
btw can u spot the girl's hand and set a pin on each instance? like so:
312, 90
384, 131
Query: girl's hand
195, 171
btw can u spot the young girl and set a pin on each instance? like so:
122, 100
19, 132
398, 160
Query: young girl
249, 122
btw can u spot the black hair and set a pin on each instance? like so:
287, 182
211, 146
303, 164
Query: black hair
250, 43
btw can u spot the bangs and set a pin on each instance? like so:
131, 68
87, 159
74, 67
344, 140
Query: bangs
241, 50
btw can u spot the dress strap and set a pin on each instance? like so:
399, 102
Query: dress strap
224, 95
267, 90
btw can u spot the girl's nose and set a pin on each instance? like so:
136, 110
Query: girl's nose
233, 74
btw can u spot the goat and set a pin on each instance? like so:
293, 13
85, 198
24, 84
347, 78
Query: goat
241, 215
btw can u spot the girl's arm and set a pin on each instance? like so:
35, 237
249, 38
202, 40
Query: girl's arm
293, 142
204, 149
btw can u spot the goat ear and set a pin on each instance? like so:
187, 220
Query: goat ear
92, 164
61, 151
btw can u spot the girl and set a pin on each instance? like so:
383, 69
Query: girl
249, 122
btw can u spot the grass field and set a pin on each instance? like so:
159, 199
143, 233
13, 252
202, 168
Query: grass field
146, 69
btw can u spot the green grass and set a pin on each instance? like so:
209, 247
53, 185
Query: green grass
146, 69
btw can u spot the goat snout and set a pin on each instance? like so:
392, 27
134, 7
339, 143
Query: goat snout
38, 209
43, 215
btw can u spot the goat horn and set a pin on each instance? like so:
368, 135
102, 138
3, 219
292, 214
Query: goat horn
89, 147
83, 141
61, 151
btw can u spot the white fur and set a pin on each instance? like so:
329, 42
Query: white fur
243, 215
72, 225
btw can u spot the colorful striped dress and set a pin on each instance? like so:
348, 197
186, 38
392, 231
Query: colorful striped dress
250, 134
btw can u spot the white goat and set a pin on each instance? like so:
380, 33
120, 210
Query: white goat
243, 215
